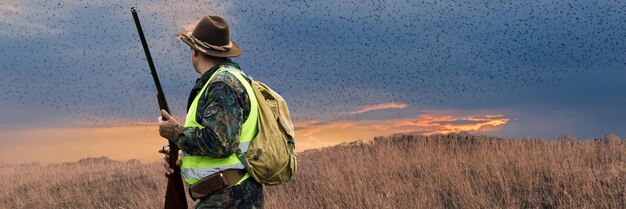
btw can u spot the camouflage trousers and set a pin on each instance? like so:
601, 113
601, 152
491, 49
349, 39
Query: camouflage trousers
248, 194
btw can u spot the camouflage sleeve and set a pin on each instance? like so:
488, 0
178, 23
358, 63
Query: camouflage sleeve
222, 116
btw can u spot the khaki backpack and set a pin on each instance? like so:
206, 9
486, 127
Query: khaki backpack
271, 156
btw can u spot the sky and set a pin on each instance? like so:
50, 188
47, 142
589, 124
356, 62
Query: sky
74, 81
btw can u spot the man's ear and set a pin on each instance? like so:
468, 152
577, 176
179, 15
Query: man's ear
194, 52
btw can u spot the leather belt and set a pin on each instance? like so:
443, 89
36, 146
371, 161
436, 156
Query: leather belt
216, 183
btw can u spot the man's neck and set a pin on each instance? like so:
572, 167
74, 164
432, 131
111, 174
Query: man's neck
203, 67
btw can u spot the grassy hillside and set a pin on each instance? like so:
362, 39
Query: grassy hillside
400, 171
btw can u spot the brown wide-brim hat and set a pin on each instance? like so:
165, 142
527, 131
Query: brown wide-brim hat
211, 37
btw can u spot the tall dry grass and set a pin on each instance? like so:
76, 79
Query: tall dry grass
88, 183
400, 171
459, 171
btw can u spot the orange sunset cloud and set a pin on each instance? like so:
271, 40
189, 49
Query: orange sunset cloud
314, 134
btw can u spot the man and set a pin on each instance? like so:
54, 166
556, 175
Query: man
221, 118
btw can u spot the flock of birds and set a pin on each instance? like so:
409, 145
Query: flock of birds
84, 59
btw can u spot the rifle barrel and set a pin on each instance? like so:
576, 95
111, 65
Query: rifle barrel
175, 193
155, 77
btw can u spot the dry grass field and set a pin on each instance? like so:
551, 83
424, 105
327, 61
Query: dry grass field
400, 171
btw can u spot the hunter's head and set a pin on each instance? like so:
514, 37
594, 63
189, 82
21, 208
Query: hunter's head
210, 42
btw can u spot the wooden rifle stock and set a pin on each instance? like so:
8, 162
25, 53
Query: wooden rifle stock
175, 194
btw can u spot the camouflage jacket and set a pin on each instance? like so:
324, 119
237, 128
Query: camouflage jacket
222, 110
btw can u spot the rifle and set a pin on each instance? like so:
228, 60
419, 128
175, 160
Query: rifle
175, 194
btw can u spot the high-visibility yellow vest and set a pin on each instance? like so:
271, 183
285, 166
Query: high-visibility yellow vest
194, 168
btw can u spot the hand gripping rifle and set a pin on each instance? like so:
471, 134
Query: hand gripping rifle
175, 194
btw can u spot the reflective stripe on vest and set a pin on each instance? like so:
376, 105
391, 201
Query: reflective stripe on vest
194, 168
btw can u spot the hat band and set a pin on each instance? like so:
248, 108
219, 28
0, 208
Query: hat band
196, 42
